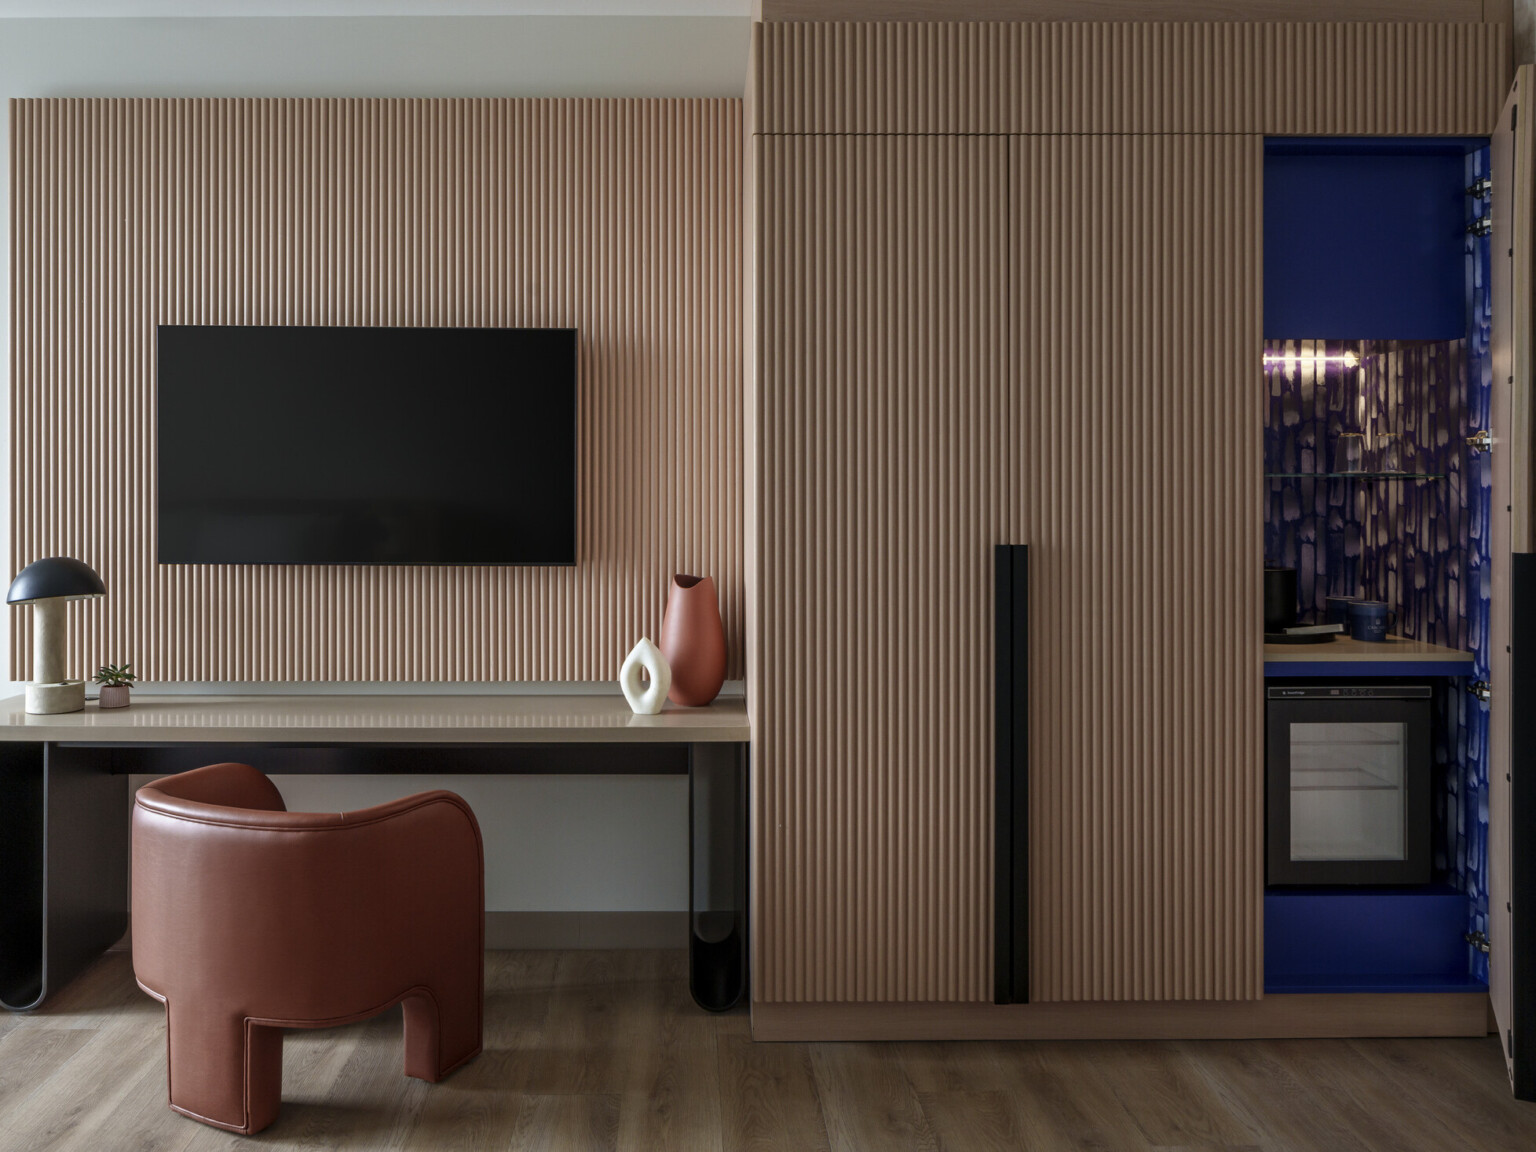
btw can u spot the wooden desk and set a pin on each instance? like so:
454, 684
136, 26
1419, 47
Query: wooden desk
64, 797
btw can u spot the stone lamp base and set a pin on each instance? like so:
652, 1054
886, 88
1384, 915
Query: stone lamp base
50, 693
50, 699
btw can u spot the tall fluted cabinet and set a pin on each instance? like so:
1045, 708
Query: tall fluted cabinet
1005, 283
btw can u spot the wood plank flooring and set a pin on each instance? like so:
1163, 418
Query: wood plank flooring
604, 1051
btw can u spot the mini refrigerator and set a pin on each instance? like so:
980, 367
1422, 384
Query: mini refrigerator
1348, 783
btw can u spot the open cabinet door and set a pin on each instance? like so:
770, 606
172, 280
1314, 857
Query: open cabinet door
1512, 664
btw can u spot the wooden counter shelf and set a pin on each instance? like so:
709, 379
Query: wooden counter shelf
1345, 656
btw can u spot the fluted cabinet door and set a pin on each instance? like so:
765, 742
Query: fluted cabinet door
881, 423
1135, 472
965, 341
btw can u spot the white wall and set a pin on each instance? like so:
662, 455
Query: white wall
552, 844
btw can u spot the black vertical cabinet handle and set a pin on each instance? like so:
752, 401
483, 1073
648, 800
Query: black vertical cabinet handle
1011, 833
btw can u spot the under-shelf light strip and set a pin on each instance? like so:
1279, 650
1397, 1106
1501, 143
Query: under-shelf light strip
1310, 359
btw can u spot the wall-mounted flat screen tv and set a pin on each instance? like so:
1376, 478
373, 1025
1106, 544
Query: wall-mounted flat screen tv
300, 445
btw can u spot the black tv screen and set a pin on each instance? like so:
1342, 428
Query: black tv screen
296, 445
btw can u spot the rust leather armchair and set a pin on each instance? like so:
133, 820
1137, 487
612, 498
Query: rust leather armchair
248, 919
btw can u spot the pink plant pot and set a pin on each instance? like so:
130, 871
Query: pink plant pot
693, 641
114, 696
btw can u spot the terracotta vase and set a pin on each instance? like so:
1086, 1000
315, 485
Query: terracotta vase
113, 696
693, 641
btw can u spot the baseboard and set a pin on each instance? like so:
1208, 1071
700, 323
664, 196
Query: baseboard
1274, 1017
520, 930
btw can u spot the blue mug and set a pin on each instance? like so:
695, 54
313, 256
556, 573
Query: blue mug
1371, 620
1337, 609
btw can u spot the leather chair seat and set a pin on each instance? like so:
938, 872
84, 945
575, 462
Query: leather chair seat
248, 919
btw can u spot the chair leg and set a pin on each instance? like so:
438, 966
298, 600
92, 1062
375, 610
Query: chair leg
223, 1070
440, 1034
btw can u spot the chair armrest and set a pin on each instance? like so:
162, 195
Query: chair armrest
222, 785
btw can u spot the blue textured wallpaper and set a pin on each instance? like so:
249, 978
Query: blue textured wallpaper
1404, 409
1419, 544
1465, 814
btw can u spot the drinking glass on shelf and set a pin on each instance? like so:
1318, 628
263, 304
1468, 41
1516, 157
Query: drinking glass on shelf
1349, 452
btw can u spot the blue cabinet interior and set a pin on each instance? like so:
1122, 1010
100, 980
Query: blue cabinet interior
1367, 940
1363, 238
1368, 252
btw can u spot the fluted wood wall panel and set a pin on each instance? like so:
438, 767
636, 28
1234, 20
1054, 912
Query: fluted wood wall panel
620, 218
1135, 463
959, 348
883, 418
1105, 10
1078, 77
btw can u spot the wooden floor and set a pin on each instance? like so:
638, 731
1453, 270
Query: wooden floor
604, 1050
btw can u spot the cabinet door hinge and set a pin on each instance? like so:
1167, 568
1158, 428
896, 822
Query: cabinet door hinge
1481, 226
1481, 440
1480, 188
1479, 941
1481, 690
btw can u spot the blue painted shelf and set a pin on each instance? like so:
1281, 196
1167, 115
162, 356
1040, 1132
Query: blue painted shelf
1280, 985
1354, 475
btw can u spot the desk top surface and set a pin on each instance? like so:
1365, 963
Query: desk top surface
532, 719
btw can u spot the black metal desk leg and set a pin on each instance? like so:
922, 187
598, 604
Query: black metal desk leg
717, 861
64, 855
21, 875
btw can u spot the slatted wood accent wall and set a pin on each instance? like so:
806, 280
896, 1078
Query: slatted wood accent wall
1007, 289
1028, 77
1108, 10
621, 218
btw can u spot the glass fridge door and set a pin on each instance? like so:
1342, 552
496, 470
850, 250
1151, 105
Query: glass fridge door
1347, 790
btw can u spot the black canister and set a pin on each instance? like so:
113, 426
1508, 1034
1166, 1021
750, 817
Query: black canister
1279, 599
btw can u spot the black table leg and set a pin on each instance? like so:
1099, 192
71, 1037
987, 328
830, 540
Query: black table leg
21, 874
717, 884
64, 857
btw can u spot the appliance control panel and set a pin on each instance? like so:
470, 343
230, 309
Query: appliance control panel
1352, 692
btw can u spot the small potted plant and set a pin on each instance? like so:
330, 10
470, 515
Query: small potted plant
115, 681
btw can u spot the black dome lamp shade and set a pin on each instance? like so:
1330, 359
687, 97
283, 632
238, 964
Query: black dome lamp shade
48, 585
55, 576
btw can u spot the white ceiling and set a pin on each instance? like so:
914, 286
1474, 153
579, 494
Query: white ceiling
205, 8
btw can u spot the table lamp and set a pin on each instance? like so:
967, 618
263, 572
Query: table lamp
48, 585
